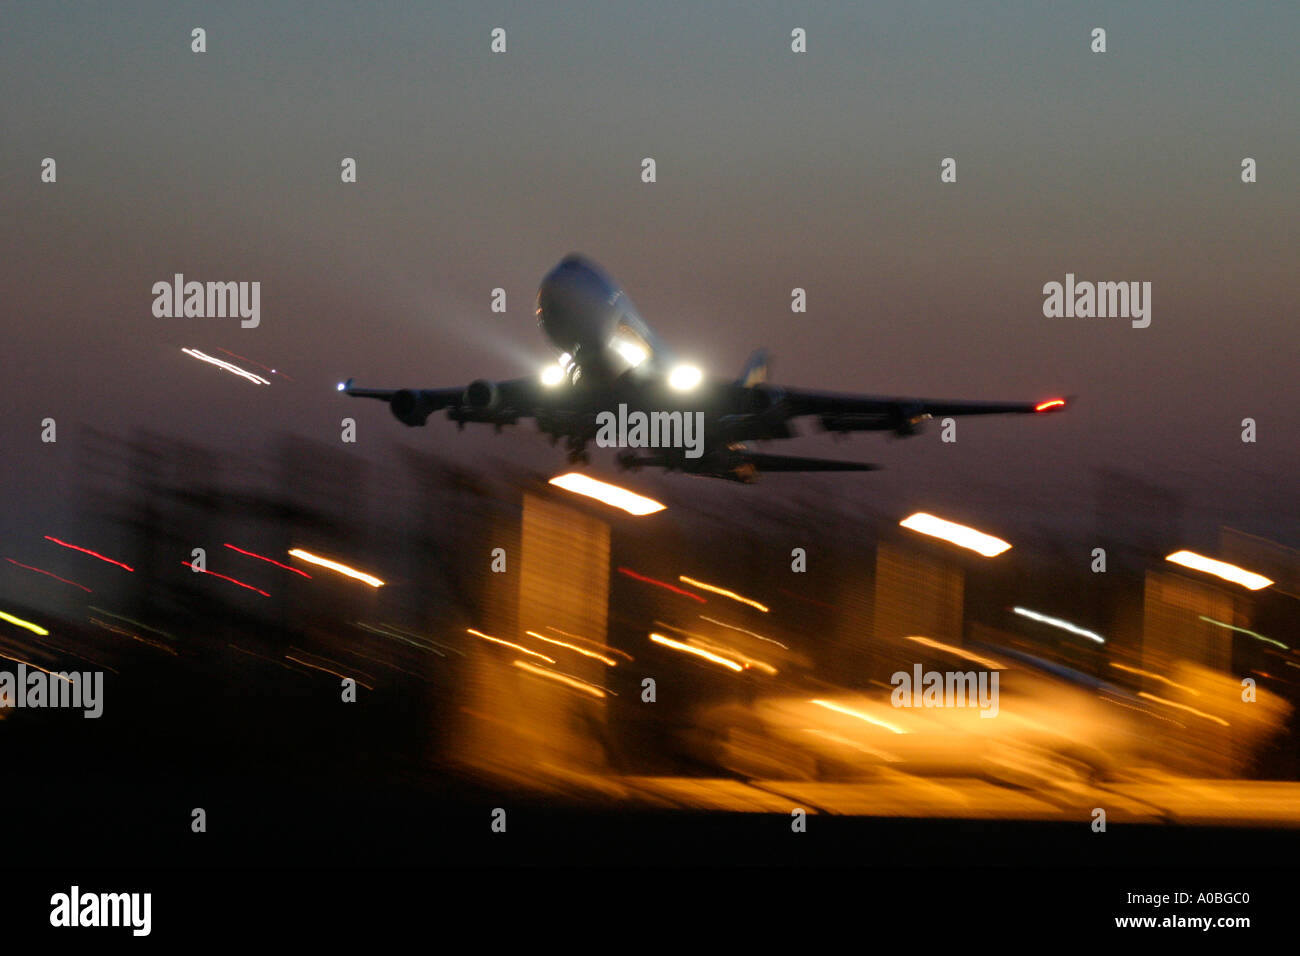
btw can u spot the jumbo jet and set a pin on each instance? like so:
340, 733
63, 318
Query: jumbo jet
608, 357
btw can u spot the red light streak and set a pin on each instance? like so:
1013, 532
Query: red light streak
662, 584
55, 576
271, 560
1050, 403
93, 554
224, 578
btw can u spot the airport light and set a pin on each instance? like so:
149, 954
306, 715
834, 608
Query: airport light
1057, 622
226, 366
1222, 569
608, 494
93, 554
683, 378
714, 589
566, 679
34, 628
343, 569
958, 534
1241, 630
698, 652
850, 712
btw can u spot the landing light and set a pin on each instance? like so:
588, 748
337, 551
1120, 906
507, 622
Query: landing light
685, 377
632, 353
552, 375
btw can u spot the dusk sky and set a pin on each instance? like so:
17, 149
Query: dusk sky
775, 170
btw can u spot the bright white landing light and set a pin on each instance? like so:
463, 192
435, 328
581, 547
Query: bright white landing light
552, 375
685, 377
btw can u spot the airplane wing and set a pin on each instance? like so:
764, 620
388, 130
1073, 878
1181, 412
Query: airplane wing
500, 403
841, 412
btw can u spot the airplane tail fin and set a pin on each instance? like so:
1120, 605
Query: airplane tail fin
755, 370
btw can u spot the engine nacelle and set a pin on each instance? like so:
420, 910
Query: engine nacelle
411, 407
482, 394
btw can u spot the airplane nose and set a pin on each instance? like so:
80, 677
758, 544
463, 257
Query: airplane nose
575, 289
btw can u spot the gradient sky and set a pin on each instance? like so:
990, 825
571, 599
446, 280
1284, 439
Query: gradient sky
775, 170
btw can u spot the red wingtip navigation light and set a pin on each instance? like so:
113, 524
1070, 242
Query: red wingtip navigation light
1050, 405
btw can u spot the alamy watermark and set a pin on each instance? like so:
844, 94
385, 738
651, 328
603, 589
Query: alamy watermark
651, 430
1102, 300
75, 908
38, 689
208, 300
946, 689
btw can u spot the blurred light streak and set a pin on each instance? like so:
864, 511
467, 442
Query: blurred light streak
93, 554
573, 647
497, 640
714, 589
262, 557
958, 534
1190, 710
225, 578
307, 556
233, 369
1242, 630
745, 659
850, 712
49, 574
123, 617
697, 651
713, 620
251, 362
410, 641
975, 658
1050, 403
19, 660
722, 650
34, 628
1220, 569
603, 647
135, 637
573, 682
1159, 677
662, 584
320, 667
612, 495
1057, 622
1142, 710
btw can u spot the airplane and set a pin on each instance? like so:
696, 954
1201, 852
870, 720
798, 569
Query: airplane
609, 356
